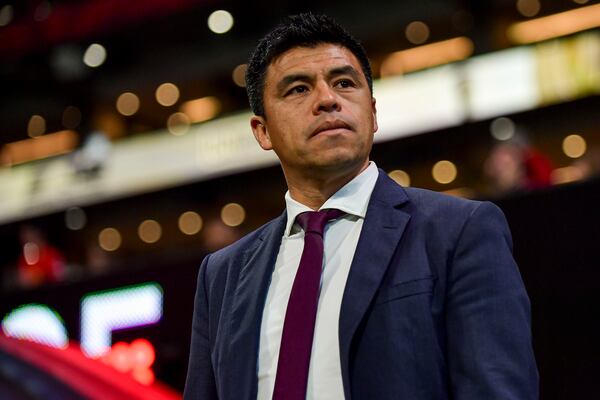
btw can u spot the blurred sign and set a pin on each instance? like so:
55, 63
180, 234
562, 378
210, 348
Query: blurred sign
419, 102
501, 83
101, 314
568, 69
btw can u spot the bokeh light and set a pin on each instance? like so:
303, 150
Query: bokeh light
120, 357
145, 376
109, 239
142, 353
417, 32
220, 21
75, 218
31, 253
178, 124
167, 94
233, 214
190, 222
574, 146
528, 8
150, 231
128, 104
502, 128
400, 177
36, 126
444, 172
239, 75
94, 55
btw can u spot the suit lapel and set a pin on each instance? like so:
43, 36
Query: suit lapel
247, 309
381, 232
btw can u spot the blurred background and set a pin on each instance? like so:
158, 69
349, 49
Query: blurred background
126, 156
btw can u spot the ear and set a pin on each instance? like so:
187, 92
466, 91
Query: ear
261, 134
374, 111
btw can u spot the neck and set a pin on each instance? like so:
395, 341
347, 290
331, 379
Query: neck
313, 189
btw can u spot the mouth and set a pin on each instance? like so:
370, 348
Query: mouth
331, 127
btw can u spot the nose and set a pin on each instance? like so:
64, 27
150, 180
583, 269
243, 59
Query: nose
326, 99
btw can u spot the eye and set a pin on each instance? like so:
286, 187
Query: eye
345, 83
297, 90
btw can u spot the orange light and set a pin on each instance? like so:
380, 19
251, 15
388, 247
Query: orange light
427, 56
239, 75
44, 146
201, 109
555, 25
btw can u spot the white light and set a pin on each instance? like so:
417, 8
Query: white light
37, 323
75, 218
95, 55
502, 128
220, 21
104, 312
31, 253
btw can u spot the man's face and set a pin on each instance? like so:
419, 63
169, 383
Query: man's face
319, 112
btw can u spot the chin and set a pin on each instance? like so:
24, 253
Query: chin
341, 162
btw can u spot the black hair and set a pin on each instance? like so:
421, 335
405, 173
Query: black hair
302, 30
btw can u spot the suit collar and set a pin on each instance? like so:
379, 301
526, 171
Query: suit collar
381, 232
352, 198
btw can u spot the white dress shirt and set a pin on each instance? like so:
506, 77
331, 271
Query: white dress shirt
340, 240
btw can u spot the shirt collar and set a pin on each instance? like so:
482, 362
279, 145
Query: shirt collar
352, 198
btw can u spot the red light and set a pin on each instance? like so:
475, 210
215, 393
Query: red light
145, 376
135, 358
120, 357
142, 353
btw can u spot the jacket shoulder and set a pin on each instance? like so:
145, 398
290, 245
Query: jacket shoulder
449, 213
430, 201
237, 249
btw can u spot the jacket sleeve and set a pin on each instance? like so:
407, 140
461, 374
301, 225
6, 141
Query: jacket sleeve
200, 381
490, 354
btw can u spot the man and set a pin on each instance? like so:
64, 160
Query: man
419, 296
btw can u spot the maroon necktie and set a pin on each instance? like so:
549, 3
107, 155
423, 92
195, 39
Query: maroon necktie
301, 313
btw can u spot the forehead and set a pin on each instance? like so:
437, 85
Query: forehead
319, 58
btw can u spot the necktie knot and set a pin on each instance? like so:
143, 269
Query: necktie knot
315, 221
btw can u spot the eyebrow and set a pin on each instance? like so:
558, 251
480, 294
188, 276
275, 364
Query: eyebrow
289, 79
344, 70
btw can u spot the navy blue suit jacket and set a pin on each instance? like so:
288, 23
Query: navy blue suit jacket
434, 306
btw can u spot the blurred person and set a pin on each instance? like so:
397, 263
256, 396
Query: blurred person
93, 155
39, 262
504, 169
516, 165
538, 168
384, 292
